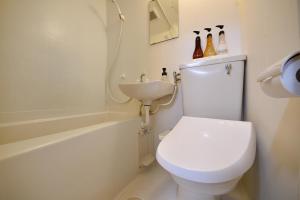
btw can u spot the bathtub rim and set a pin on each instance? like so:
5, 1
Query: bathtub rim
24, 122
23, 130
11, 150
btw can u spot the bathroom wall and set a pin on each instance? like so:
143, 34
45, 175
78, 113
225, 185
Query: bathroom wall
270, 31
53, 56
130, 61
195, 15
137, 56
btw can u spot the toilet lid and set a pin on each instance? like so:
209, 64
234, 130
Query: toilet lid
208, 150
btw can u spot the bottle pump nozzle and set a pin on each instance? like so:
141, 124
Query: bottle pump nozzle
197, 32
164, 72
221, 27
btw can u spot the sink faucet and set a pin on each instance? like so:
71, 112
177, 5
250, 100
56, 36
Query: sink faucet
142, 77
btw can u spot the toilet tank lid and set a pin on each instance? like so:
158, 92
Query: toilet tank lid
214, 60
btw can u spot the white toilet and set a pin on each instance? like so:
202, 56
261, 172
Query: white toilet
209, 149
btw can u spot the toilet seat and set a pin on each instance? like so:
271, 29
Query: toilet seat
208, 150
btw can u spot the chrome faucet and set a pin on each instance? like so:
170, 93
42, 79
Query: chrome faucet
142, 77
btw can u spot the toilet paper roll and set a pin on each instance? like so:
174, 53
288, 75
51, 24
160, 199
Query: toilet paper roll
282, 80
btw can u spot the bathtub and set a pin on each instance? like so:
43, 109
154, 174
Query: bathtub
81, 157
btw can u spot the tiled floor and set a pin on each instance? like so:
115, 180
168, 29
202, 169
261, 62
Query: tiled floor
156, 184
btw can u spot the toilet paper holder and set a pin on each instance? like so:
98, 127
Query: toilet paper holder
282, 79
276, 69
265, 77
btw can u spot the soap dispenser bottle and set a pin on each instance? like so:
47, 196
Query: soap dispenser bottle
198, 53
222, 46
209, 50
164, 75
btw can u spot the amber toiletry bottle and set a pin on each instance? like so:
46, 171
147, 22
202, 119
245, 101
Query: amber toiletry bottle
198, 53
209, 50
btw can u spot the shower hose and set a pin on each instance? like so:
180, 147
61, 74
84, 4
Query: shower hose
114, 60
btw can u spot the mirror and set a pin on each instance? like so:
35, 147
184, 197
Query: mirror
163, 20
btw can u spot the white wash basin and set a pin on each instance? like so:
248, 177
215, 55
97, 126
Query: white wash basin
147, 91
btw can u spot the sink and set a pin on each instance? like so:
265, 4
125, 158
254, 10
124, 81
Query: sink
147, 91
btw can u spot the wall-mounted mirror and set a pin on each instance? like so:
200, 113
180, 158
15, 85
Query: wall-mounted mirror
163, 20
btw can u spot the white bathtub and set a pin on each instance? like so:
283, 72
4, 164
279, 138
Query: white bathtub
84, 157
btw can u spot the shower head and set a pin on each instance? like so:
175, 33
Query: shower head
121, 16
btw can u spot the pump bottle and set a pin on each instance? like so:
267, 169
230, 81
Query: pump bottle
164, 75
222, 46
209, 50
198, 53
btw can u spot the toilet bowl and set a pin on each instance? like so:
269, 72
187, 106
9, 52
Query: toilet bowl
207, 157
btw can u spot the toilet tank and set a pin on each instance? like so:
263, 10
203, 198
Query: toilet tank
213, 87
